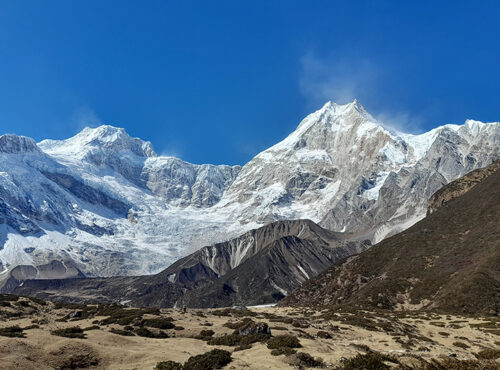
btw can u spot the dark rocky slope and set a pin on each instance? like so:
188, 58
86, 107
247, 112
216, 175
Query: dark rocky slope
261, 266
449, 261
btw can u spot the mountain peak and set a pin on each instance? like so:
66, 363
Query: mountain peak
14, 144
105, 138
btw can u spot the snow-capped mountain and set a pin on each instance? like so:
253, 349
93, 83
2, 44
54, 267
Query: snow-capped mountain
110, 205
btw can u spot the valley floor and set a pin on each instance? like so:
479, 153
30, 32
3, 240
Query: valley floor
29, 337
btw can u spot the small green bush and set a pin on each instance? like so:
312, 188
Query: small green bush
143, 332
205, 334
237, 340
323, 334
125, 333
12, 331
461, 345
160, 323
215, 359
302, 359
236, 325
283, 341
488, 354
168, 365
283, 351
73, 332
243, 347
32, 326
371, 360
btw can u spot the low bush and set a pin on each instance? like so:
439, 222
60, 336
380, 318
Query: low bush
243, 347
371, 360
235, 325
233, 312
281, 341
283, 351
32, 326
125, 333
301, 360
121, 315
168, 365
159, 323
143, 332
205, 334
215, 359
12, 331
461, 345
488, 354
72, 332
237, 340
323, 334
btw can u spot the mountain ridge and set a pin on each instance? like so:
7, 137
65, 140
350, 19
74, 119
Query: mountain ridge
106, 202
260, 266
446, 262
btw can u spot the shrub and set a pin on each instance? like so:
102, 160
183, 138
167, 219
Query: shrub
237, 340
461, 345
300, 324
243, 347
73, 332
205, 334
160, 323
323, 334
93, 327
488, 354
215, 359
143, 332
283, 341
235, 325
371, 360
302, 359
121, 316
12, 331
32, 326
168, 365
233, 312
283, 351
361, 347
125, 333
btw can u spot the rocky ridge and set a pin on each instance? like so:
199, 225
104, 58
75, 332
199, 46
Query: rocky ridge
261, 266
111, 205
448, 261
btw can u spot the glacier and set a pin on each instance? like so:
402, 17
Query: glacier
110, 205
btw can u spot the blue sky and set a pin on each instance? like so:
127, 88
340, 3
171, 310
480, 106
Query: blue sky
217, 82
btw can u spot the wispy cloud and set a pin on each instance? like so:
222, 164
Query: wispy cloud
85, 117
172, 149
343, 79
337, 79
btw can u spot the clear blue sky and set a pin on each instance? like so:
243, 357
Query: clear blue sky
218, 81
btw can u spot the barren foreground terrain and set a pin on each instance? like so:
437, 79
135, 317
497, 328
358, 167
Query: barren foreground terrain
114, 337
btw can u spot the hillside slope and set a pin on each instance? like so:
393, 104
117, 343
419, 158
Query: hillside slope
261, 266
448, 261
